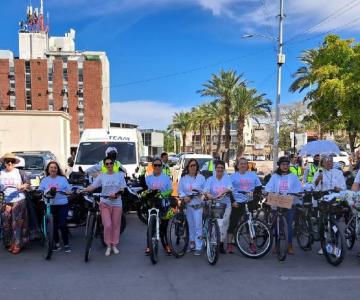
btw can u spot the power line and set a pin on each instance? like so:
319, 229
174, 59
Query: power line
175, 74
343, 9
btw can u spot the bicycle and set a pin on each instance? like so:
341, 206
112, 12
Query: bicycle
178, 227
352, 229
320, 224
94, 226
277, 220
158, 209
213, 210
178, 232
47, 223
252, 235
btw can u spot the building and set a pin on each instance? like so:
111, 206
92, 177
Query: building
153, 142
35, 130
51, 75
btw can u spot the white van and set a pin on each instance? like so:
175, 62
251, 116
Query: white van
94, 142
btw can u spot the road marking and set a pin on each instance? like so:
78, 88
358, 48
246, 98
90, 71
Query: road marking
313, 278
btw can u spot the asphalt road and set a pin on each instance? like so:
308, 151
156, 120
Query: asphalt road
130, 275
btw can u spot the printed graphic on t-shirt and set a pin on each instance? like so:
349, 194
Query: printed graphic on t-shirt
245, 184
284, 186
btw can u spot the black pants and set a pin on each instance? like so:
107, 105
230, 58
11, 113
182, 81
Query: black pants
60, 213
238, 213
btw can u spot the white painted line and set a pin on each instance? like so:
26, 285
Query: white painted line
313, 278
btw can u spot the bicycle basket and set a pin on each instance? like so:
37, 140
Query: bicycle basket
217, 210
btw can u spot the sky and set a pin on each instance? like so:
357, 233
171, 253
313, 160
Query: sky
162, 51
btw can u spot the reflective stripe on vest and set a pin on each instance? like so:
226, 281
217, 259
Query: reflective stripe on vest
116, 167
312, 171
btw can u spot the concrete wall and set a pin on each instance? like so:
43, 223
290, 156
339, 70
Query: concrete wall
36, 130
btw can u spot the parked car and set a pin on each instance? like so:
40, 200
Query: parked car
260, 157
145, 160
34, 163
177, 170
174, 159
249, 156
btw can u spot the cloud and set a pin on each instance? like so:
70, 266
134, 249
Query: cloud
300, 15
148, 114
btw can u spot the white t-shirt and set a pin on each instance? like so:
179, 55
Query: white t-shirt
331, 179
110, 184
357, 178
188, 183
216, 187
161, 182
284, 184
8, 182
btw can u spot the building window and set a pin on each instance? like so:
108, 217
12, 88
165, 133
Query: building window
65, 74
81, 75
39, 94
39, 78
12, 70
27, 67
28, 81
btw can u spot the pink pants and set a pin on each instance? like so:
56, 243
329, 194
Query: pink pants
111, 219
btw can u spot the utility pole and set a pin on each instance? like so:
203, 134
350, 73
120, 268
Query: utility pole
280, 62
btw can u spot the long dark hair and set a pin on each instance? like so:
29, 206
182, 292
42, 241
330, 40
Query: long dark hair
59, 171
186, 170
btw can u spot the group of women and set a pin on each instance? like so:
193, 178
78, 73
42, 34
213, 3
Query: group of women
283, 181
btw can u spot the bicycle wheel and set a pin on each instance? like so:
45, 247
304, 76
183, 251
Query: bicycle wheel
90, 233
281, 237
48, 232
178, 234
349, 233
332, 243
213, 242
259, 244
152, 239
303, 232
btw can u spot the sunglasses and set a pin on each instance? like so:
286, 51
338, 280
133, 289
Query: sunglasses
157, 165
109, 164
192, 166
9, 161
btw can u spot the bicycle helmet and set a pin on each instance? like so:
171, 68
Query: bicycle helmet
283, 159
109, 150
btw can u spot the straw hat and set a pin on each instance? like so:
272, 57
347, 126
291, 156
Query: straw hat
10, 156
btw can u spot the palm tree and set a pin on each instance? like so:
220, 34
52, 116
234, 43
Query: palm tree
222, 89
304, 74
181, 122
247, 103
198, 120
215, 120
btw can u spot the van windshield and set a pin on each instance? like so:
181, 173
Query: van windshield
90, 153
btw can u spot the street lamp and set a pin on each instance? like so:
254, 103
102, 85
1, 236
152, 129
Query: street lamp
280, 60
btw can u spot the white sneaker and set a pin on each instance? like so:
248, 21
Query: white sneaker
115, 250
108, 251
321, 252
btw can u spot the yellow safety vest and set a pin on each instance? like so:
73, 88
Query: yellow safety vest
166, 170
312, 171
211, 166
296, 171
116, 167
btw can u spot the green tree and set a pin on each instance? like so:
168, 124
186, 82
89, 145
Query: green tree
222, 88
181, 122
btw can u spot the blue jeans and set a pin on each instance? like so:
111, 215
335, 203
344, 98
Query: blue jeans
289, 219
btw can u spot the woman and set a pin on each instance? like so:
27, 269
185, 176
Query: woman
14, 213
191, 180
242, 181
217, 185
284, 182
110, 207
160, 181
55, 179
